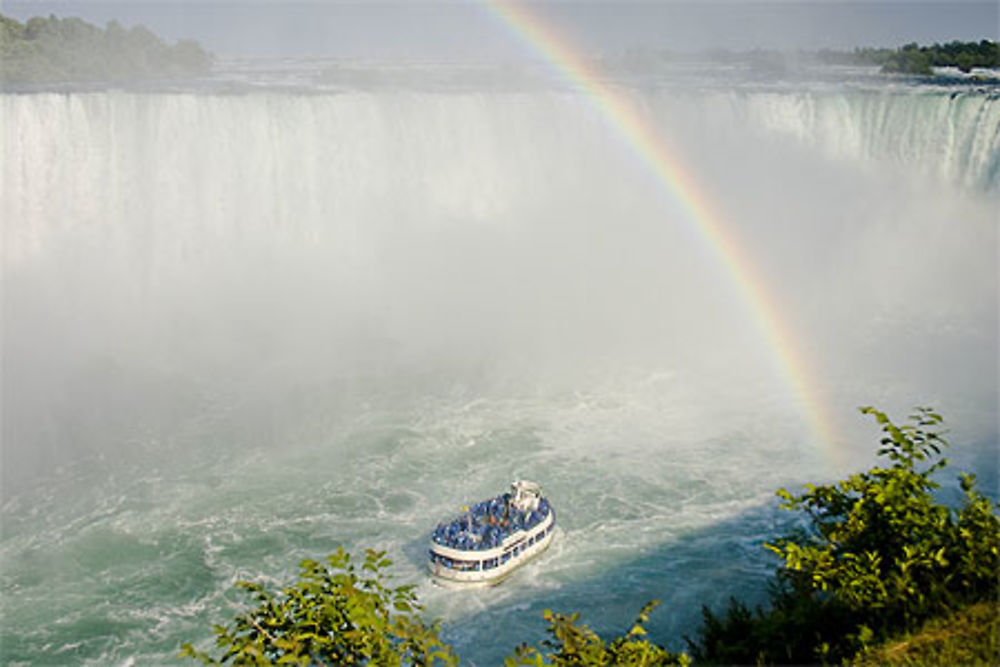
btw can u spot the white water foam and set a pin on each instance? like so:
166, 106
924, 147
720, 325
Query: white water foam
246, 329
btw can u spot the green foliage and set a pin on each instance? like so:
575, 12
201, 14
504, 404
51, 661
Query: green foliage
908, 61
574, 644
334, 614
879, 538
915, 59
58, 50
880, 556
965, 55
968, 637
793, 630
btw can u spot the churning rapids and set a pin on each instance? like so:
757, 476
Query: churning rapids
252, 321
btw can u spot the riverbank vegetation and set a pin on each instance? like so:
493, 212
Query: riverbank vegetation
880, 556
969, 636
910, 59
55, 50
881, 572
915, 59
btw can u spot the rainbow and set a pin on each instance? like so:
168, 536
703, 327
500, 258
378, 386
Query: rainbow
652, 150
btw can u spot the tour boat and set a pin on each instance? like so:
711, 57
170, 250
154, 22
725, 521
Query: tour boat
491, 539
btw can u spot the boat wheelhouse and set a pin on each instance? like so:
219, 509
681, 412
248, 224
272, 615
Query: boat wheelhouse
483, 545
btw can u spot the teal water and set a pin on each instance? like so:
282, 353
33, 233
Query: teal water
122, 561
125, 560
254, 327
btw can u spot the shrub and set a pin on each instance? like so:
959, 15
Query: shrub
878, 557
333, 614
573, 644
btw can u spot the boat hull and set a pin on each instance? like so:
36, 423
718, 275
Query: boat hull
459, 568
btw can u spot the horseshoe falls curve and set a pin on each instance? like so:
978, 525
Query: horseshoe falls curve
244, 328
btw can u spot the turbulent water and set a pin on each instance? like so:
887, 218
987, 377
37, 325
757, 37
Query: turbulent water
247, 323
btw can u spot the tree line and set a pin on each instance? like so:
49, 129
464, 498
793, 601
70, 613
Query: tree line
52, 50
879, 559
915, 59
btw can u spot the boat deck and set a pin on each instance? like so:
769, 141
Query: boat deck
487, 524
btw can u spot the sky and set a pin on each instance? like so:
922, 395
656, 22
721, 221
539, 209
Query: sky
468, 29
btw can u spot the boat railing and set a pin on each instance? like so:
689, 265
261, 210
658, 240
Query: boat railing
487, 524
466, 565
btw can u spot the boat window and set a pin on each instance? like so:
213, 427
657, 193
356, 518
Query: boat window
453, 564
505, 557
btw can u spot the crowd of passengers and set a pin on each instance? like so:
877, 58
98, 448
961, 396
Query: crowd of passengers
487, 524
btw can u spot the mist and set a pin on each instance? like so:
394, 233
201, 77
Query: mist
308, 303
337, 242
470, 31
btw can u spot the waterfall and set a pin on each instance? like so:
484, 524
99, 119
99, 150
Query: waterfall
244, 327
952, 136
